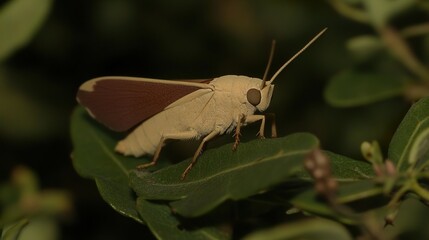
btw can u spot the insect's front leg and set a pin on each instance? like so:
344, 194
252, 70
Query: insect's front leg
174, 136
272, 118
254, 118
240, 120
199, 151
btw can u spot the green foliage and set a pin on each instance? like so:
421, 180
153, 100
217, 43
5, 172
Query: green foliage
396, 74
409, 135
308, 229
353, 88
12, 232
19, 29
377, 51
93, 157
350, 193
222, 175
26, 211
165, 225
23, 114
344, 169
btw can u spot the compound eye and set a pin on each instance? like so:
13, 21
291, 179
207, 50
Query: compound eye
254, 96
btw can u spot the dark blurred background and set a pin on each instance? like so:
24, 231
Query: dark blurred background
164, 39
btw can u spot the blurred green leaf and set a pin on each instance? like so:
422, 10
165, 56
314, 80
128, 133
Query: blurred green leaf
93, 157
19, 20
411, 221
364, 46
381, 11
354, 88
21, 197
164, 225
40, 228
320, 229
415, 122
13, 230
222, 174
353, 1
311, 202
344, 169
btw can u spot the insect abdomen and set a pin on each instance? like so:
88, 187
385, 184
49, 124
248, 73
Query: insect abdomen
145, 138
190, 120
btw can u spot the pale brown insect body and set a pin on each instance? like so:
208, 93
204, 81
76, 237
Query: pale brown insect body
160, 110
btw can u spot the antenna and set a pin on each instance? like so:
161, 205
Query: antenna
270, 59
296, 55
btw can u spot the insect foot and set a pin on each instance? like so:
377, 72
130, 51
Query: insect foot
146, 165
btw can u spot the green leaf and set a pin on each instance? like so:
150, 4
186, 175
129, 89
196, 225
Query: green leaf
12, 231
222, 174
318, 229
415, 122
344, 169
41, 228
93, 157
164, 225
381, 11
364, 46
347, 193
19, 20
354, 88
419, 153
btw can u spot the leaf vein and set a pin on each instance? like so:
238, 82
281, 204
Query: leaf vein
280, 154
107, 151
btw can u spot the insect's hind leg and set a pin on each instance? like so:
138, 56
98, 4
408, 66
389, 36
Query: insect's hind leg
173, 136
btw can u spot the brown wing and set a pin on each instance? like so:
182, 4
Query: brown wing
122, 102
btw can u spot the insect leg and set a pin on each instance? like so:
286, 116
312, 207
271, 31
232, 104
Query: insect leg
254, 118
165, 137
199, 151
272, 118
240, 120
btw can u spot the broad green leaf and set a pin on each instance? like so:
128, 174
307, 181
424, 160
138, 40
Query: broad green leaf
12, 231
93, 157
317, 229
164, 225
347, 193
222, 174
19, 20
415, 122
344, 169
354, 88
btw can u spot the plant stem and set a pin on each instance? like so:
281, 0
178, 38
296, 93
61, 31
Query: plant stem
402, 52
422, 192
415, 30
398, 195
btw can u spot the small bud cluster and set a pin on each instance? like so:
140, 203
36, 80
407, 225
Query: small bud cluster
319, 167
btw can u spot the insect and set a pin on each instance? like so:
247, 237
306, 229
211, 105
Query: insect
160, 110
